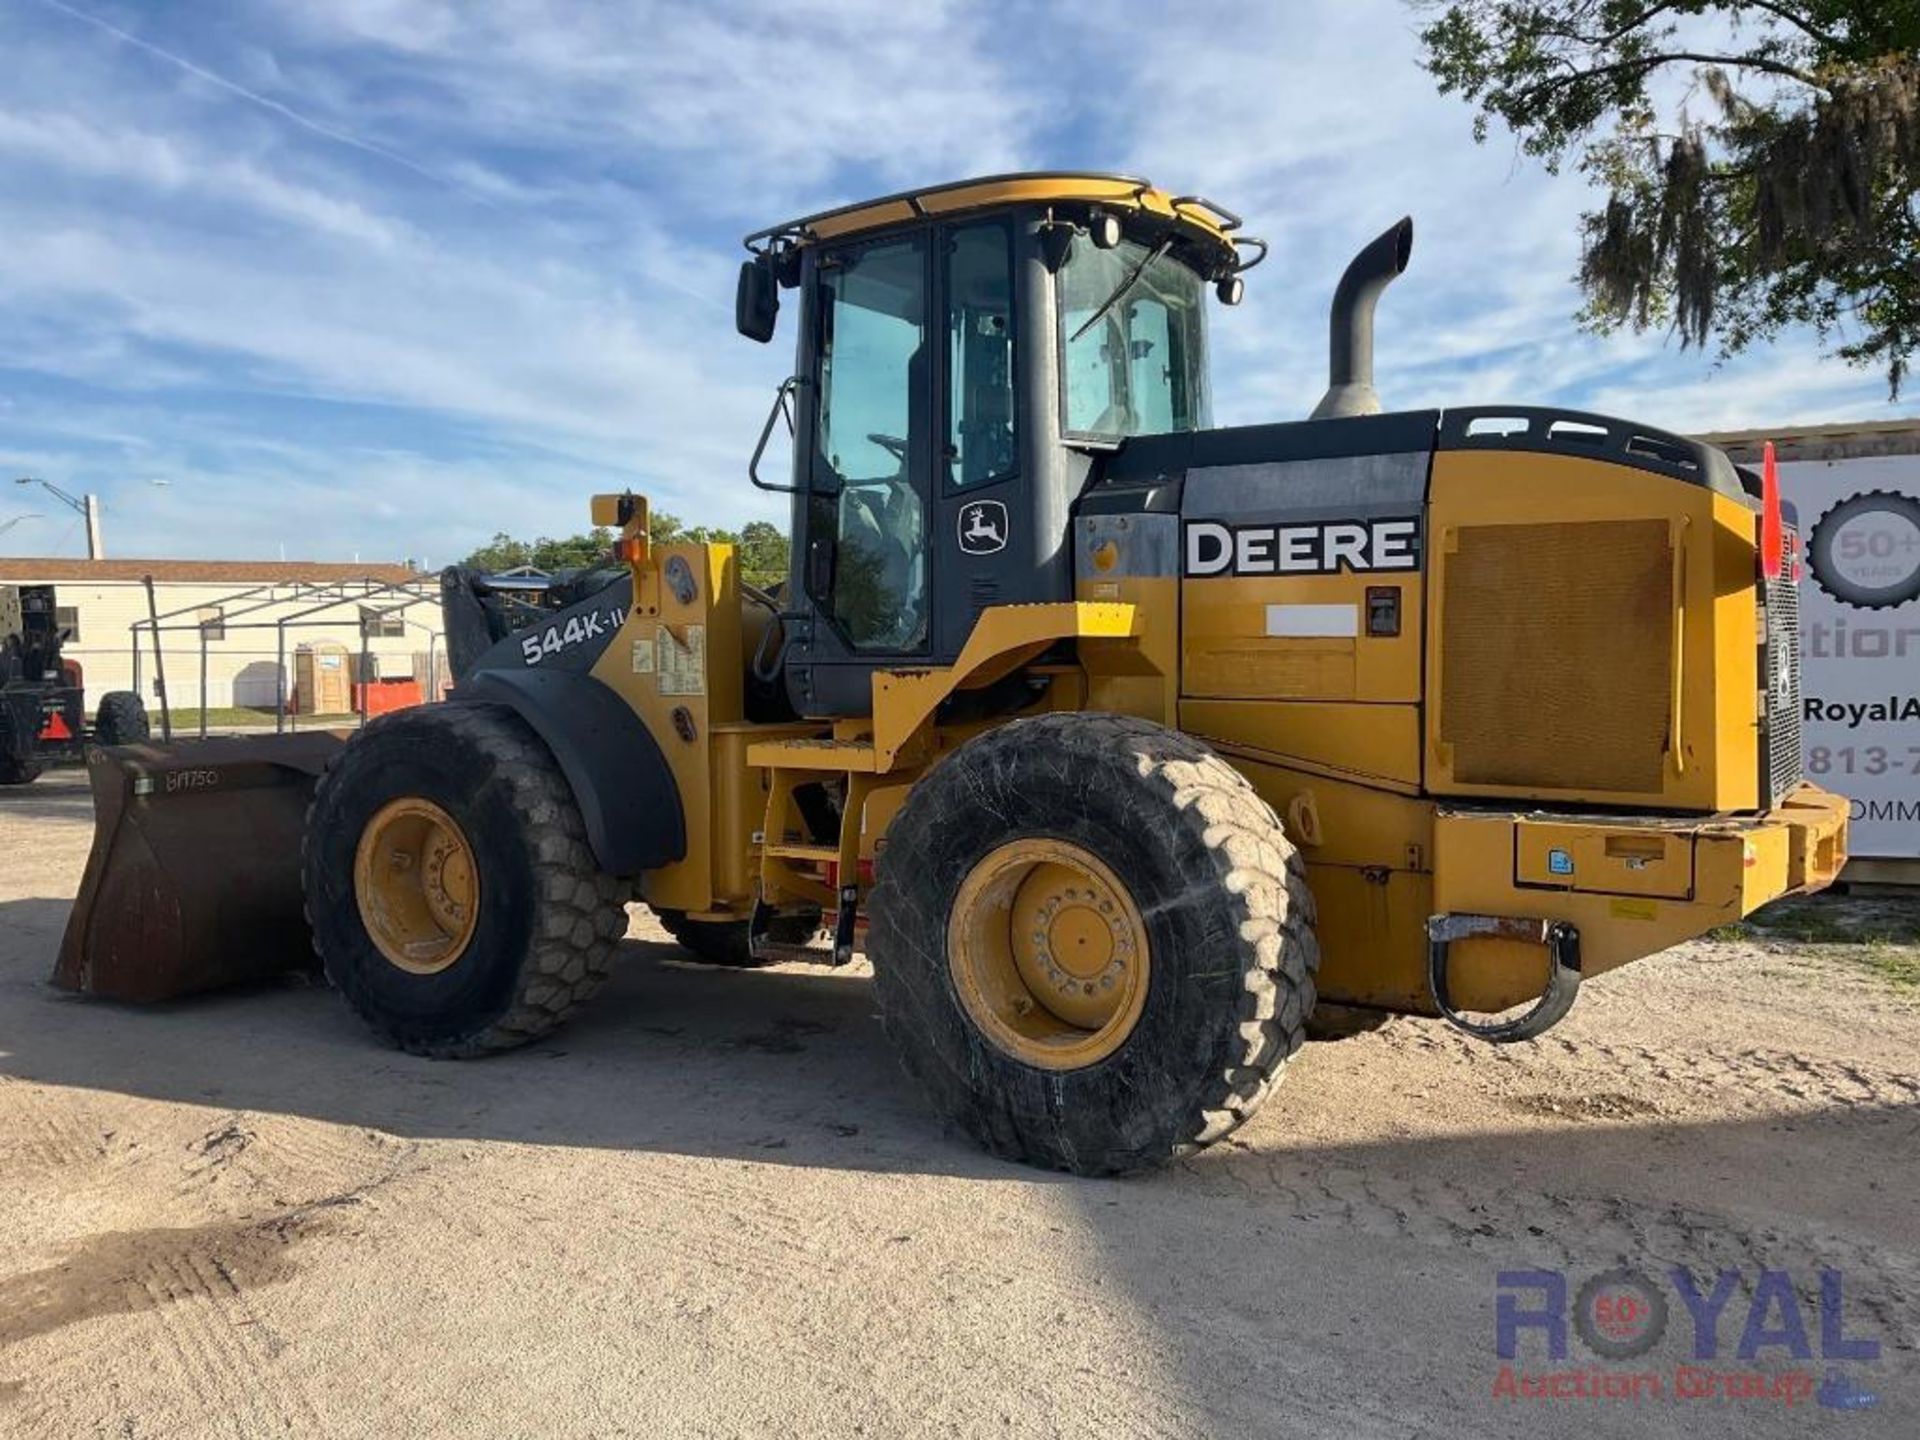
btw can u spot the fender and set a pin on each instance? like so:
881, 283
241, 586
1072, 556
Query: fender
567, 639
613, 765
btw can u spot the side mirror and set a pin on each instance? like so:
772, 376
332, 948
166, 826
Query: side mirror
756, 303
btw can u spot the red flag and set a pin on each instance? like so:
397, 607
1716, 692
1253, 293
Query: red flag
1772, 539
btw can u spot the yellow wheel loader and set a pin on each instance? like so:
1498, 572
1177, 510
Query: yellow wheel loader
1113, 739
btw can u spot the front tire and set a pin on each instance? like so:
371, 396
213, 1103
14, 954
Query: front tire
1092, 942
121, 719
453, 897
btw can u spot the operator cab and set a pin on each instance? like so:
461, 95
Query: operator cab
964, 354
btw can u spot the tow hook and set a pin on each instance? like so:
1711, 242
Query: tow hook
1563, 974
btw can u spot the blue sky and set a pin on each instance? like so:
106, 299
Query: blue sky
379, 277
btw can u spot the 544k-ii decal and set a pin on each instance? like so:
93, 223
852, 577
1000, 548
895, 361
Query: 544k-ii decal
549, 640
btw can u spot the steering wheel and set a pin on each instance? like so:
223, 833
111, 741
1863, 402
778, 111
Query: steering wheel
892, 444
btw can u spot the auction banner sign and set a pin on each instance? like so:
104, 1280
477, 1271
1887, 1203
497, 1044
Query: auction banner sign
1859, 520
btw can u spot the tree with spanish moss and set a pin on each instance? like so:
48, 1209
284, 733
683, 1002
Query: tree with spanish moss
1759, 158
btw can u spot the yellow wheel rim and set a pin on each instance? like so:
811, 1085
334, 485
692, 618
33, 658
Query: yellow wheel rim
417, 886
1048, 954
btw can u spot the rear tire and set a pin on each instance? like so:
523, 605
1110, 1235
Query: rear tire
724, 942
537, 919
1208, 979
121, 719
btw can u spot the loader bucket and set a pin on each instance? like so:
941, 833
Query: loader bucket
194, 877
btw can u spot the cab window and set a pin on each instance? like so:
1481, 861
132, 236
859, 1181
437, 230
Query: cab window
1139, 368
980, 445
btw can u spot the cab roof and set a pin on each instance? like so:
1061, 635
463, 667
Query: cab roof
1199, 219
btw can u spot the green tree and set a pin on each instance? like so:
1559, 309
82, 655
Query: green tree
762, 548
764, 553
1779, 189
575, 552
503, 552
662, 528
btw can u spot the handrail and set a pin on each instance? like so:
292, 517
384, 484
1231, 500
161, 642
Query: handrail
1220, 215
787, 387
765, 664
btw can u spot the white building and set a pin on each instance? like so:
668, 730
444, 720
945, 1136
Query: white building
231, 631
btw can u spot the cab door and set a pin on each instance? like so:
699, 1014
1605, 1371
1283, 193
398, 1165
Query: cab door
869, 464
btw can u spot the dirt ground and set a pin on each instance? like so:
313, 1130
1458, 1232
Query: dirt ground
711, 1206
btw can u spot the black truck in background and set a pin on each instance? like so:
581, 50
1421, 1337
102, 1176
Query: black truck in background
42, 699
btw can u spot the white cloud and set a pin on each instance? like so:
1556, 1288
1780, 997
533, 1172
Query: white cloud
759, 108
163, 165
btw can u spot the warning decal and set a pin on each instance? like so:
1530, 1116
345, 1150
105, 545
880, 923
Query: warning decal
682, 663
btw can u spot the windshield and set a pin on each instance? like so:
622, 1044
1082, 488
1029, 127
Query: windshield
1141, 368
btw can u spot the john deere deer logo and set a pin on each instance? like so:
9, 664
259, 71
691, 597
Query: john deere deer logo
983, 527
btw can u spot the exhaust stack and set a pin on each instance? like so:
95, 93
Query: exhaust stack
1350, 339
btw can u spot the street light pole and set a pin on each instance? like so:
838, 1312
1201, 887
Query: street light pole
86, 506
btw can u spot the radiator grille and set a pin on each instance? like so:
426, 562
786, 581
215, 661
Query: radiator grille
1780, 664
1557, 655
